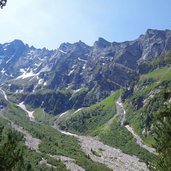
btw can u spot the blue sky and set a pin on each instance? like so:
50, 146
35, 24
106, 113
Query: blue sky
48, 23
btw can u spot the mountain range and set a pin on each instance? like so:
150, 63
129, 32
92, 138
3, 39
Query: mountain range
77, 75
82, 107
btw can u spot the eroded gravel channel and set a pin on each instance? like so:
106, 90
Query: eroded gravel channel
121, 111
111, 157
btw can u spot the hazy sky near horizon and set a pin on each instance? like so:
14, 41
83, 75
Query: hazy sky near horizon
48, 23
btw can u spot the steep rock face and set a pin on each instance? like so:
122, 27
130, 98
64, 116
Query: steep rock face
17, 58
100, 69
154, 42
9, 56
56, 102
68, 68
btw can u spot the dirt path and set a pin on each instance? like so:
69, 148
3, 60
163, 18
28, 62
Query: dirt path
121, 111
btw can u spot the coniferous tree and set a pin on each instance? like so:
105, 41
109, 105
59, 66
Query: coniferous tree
11, 156
163, 139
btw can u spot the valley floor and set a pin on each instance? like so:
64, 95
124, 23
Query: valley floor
113, 158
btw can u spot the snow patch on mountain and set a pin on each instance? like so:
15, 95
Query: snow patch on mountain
62, 51
82, 60
26, 74
77, 90
3, 71
84, 66
71, 72
45, 83
8, 60
40, 81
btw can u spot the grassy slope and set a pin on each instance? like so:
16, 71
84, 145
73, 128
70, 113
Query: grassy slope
42, 117
150, 88
159, 75
102, 120
53, 142
88, 120
118, 136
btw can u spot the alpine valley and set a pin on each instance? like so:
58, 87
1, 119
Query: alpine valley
83, 107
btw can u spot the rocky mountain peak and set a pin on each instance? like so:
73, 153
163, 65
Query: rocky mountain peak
17, 42
101, 43
14, 48
158, 35
74, 50
80, 44
154, 32
64, 46
154, 42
